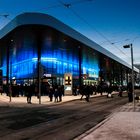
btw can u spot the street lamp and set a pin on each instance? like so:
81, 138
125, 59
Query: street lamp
130, 46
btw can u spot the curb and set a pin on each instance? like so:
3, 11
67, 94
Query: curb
95, 127
88, 132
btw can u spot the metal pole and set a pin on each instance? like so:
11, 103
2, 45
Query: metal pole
39, 43
10, 49
39, 80
80, 67
132, 77
10, 87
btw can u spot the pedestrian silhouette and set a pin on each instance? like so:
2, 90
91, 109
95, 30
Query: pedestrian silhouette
55, 93
129, 90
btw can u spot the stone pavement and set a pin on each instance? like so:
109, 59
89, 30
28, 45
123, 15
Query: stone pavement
121, 125
22, 101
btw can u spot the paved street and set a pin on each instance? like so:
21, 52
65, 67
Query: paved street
121, 125
55, 121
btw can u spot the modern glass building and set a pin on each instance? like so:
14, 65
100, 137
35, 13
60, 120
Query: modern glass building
36, 45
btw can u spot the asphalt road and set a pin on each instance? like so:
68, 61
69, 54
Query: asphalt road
60, 122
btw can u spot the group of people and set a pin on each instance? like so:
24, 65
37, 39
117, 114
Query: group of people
87, 90
56, 92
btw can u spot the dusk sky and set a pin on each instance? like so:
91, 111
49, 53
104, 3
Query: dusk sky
110, 23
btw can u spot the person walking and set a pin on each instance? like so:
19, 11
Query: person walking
60, 93
82, 91
109, 93
120, 91
29, 93
85, 92
130, 90
55, 93
51, 93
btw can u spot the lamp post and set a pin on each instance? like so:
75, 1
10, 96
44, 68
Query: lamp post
130, 46
10, 49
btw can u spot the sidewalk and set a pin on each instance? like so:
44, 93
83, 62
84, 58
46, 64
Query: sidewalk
121, 125
22, 101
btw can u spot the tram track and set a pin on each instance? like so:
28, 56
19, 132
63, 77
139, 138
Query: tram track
75, 118
82, 122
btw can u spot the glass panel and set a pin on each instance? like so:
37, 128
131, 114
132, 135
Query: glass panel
59, 55
90, 64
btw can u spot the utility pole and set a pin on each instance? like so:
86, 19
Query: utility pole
132, 77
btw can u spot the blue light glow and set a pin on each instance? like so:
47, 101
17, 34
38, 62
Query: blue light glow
53, 59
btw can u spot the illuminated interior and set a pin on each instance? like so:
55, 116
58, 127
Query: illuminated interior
58, 55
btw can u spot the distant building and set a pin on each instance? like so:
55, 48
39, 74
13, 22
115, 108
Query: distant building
138, 75
137, 66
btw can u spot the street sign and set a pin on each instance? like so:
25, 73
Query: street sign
68, 83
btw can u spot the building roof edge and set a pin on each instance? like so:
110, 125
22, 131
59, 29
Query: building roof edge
44, 19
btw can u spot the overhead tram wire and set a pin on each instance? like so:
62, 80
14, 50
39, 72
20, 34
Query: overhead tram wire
114, 42
60, 4
75, 2
4, 15
97, 31
69, 5
49, 7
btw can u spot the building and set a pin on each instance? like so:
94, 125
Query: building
138, 74
36, 46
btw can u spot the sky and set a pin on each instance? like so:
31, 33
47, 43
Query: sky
110, 23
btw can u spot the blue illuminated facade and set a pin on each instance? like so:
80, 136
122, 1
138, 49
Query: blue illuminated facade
59, 54
31, 37
21, 49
